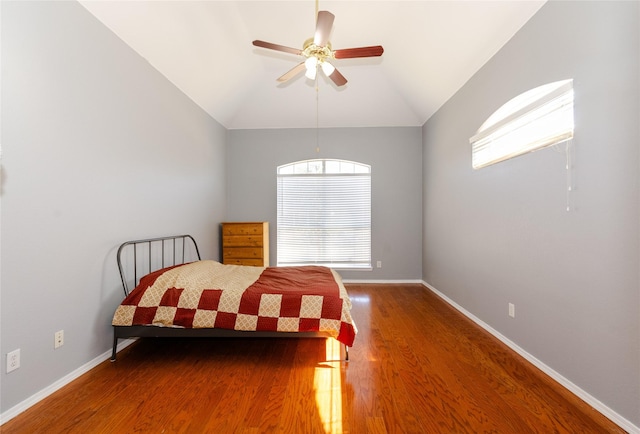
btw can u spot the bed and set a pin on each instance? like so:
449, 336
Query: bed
171, 292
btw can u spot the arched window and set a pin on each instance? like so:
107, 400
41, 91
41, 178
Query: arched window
536, 119
324, 214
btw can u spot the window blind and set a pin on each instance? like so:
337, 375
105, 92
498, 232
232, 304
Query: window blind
535, 119
324, 219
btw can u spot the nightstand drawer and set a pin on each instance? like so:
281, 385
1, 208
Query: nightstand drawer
243, 229
242, 240
243, 252
251, 262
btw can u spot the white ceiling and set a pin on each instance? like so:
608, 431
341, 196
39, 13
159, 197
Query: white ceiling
204, 48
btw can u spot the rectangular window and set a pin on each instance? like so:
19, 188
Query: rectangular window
324, 214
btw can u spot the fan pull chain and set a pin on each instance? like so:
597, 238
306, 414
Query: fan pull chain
568, 169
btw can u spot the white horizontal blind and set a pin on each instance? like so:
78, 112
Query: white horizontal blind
324, 218
533, 120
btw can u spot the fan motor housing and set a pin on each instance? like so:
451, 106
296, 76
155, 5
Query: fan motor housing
309, 49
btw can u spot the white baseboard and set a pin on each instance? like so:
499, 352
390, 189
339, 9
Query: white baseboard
589, 399
42, 394
369, 281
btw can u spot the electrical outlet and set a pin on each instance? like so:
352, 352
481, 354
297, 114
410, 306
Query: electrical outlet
512, 310
58, 339
13, 360
379, 264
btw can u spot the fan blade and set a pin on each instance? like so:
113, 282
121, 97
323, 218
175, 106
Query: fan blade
277, 47
348, 53
338, 78
292, 72
323, 28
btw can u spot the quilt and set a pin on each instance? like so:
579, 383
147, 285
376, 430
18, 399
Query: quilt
208, 294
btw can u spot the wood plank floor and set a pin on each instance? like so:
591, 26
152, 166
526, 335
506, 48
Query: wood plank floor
417, 366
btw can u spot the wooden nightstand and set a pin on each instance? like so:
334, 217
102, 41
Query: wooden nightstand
245, 243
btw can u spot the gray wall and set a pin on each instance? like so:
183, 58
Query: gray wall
502, 234
97, 148
395, 156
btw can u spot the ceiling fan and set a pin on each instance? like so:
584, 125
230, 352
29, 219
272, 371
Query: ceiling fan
318, 52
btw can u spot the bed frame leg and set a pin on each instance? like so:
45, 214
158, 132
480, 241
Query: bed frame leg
346, 353
115, 346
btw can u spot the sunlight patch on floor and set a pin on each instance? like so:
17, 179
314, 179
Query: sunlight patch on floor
328, 387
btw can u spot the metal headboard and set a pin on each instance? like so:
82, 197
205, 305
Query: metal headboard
141, 257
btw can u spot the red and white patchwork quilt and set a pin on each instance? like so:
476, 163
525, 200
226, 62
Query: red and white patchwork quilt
208, 294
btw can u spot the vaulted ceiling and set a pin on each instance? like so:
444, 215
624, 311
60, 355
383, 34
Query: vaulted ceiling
431, 48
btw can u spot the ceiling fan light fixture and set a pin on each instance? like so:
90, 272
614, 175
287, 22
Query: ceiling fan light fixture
310, 74
327, 68
311, 64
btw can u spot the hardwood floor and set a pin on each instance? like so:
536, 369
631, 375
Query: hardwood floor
417, 366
